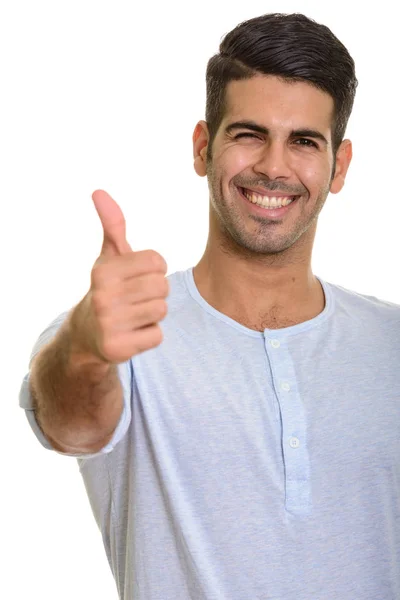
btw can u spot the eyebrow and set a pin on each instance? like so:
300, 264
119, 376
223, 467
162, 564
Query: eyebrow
305, 132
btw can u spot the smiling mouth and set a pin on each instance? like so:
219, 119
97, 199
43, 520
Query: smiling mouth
268, 201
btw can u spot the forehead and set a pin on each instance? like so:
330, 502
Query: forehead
274, 102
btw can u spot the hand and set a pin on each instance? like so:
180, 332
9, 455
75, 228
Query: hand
119, 316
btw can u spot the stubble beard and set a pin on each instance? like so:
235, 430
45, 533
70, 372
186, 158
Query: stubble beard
266, 237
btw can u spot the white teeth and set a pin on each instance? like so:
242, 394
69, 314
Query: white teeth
266, 201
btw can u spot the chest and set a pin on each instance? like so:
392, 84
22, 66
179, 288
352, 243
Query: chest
277, 317
277, 406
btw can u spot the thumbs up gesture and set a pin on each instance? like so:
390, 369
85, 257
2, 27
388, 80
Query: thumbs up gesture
127, 294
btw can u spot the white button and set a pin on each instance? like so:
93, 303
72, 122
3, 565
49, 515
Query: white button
294, 442
275, 343
285, 386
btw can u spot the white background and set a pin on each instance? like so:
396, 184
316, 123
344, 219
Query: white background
105, 94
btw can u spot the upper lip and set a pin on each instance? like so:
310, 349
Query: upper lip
264, 192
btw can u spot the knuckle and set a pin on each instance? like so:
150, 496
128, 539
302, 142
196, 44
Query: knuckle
166, 287
163, 309
154, 338
99, 274
99, 302
159, 309
157, 336
161, 286
94, 276
157, 260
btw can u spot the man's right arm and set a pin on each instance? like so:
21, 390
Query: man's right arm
78, 399
74, 383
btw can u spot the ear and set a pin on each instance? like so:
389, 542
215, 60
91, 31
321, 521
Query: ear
200, 143
343, 160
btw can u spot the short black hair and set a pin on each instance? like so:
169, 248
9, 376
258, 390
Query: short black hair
292, 47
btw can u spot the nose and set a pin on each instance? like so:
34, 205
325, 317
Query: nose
274, 161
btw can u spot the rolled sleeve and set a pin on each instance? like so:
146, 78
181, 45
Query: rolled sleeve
125, 374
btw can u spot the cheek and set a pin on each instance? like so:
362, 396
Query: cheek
313, 176
234, 160
310, 175
242, 161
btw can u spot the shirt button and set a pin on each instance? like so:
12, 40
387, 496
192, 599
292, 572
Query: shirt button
275, 343
294, 442
285, 386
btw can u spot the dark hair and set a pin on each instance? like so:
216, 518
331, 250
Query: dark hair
292, 47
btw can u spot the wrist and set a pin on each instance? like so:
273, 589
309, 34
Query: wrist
82, 355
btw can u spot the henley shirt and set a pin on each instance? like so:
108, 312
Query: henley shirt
253, 465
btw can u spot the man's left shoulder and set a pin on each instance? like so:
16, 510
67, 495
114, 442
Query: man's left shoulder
366, 306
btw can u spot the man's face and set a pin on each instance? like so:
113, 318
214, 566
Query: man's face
274, 140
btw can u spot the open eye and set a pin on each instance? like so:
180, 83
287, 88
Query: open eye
306, 142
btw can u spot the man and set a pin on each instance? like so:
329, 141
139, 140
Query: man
249, 449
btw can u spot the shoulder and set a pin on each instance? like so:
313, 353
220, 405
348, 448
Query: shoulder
366, 308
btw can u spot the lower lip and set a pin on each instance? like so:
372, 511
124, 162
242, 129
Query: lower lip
267, 212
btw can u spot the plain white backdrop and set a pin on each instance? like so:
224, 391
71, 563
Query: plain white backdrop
105, 94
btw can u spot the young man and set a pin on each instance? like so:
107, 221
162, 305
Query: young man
250, 449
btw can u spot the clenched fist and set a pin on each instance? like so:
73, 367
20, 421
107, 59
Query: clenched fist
120, 314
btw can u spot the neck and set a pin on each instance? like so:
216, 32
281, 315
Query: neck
260, 292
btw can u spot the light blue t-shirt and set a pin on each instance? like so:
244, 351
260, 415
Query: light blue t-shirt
254, 465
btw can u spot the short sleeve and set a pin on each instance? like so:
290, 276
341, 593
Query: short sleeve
125, 373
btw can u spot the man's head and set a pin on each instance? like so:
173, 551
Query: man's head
293, 47
279, 95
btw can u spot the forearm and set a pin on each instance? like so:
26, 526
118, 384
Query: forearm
78, 398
